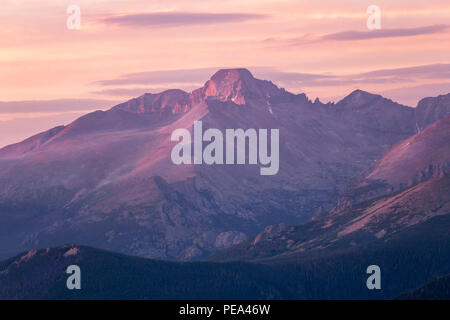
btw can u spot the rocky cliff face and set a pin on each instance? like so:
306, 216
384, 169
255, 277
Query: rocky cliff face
358, 227
431, 109
408, 186
421, 157
107, 179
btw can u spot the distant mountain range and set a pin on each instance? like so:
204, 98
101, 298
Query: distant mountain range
106, 180
363, 181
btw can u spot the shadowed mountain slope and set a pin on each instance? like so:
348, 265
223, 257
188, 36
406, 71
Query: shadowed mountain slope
419, 164
107, 179
40, 274
416, 159
437, 289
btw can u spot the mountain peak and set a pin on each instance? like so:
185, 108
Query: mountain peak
238, 86
231, 85
359, 95
358, 98
227, 76
170, 101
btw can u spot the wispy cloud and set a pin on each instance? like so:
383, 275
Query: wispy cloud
434, 71
135, 84
19, 108
171, 19
410, 95
352, 35
160, 77
385, 33
190, 79
395, 75
393, 13
121, 92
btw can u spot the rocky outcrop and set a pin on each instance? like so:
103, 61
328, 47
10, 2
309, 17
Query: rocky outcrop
107, 179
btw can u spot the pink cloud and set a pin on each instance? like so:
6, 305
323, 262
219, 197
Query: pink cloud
158, 19
385, 33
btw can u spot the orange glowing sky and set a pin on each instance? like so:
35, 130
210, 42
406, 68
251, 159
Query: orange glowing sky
127, 47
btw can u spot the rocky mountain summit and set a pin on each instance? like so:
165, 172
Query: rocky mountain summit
107, 179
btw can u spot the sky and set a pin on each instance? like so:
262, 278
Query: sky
50, 74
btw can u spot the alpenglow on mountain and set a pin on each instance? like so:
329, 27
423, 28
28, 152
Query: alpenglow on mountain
107, 180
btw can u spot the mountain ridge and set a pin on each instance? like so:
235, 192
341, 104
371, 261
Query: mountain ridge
226, 85
40, 273
107, 179
426, 153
